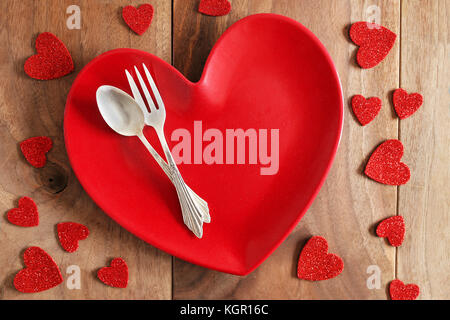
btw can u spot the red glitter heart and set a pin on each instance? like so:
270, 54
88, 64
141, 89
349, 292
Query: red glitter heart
52, 60
315, 263
375, 42
26, 215
392, 228
34, 150
399, 291
214, 7
384, 164
138, 19
69, 233
406, 104
365, 109
41, 272
116, 275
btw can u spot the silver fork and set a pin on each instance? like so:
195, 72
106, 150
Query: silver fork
194, 209
148, 121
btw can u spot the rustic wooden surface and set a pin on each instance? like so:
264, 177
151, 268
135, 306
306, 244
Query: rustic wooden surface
425, 200
30, 108
348, 206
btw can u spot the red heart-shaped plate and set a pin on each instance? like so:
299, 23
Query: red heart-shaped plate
265, 72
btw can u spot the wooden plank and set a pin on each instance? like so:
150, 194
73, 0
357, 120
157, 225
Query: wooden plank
424, 201
30, 108
349, 205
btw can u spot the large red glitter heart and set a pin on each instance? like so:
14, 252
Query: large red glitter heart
392, 228
34, 150
375, 42
52, 60
69, 233
384, 164
26, 215
116, 275
214, 7
138, 19
399, 291
406, 104
316, 263
365, 109
41, 272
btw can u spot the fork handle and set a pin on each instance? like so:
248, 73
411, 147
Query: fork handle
193, 213
169, 172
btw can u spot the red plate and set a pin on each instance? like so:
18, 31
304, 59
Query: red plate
265, 72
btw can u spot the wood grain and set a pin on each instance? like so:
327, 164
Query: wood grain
424, 258
30, 108
347, 208
349, 205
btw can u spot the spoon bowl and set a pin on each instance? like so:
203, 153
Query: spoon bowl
120, 111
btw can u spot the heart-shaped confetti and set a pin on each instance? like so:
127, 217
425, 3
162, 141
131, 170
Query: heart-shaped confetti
138, 19
41, 272
69, 233
365, 109
116, 275
393, 229
26, 215
52, 60
35, 149
214, 7
399, 291
384, 164
315, 263
374, 43
405, 104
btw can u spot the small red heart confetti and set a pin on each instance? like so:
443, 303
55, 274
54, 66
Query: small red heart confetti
34, 150
26, 215
392, 228
366, 109
69, 233
52, 60
138, 19
116, 275
384, 164
406, 104
214, 7
374, 43
315, 263
399, 291
41, 272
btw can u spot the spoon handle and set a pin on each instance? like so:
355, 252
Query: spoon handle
194, 214
170, 174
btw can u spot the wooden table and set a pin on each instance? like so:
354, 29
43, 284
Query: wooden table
348, 206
